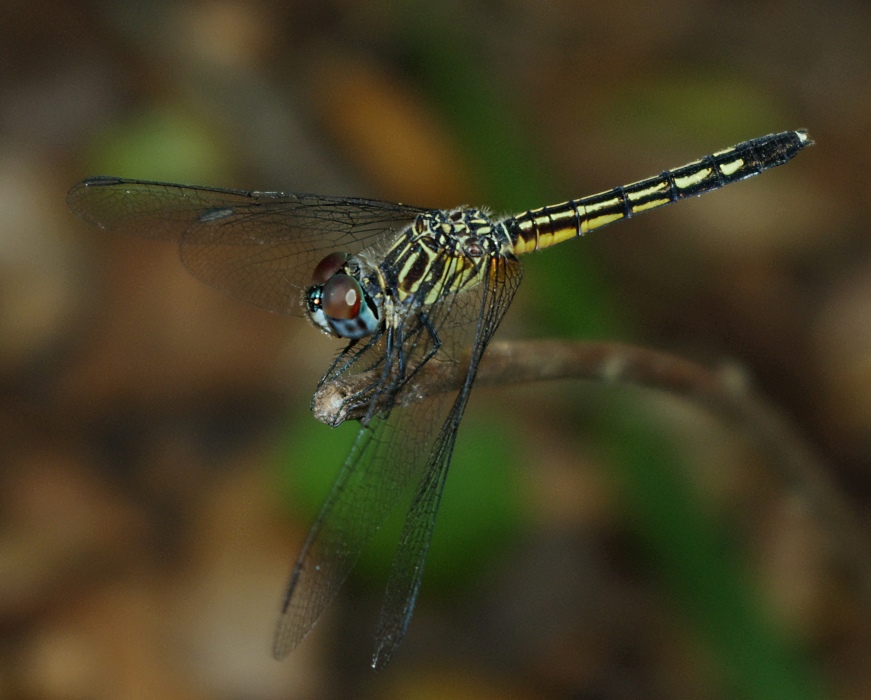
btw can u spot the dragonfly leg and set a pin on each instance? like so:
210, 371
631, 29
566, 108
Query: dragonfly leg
425, 325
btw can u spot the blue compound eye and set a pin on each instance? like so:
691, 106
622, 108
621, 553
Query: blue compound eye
342, 297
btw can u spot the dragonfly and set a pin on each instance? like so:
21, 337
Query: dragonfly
406, 287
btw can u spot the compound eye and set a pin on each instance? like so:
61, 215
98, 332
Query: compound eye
342, 297
328, 267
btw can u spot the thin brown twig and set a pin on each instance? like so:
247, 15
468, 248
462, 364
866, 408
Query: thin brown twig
535, 360
724, 393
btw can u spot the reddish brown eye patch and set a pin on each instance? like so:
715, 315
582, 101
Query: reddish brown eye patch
342, 297
328, 267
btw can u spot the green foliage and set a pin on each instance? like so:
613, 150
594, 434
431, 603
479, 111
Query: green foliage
480, 514
701, 567
167, 145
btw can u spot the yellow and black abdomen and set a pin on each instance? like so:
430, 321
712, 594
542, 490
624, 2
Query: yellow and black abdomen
547, 226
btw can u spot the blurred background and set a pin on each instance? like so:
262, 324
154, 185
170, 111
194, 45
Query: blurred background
160, 466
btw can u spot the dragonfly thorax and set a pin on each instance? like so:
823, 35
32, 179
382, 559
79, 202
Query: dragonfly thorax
463, 229
442, 251
337, 303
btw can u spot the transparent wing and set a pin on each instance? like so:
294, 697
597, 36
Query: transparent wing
387, 458
258, 246
408, 563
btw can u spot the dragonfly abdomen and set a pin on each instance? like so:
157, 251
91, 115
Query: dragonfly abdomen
547, 226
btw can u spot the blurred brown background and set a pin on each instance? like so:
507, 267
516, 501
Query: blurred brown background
160, 468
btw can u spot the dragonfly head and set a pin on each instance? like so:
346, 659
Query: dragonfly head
336, 303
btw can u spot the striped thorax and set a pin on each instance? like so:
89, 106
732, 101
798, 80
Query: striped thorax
441, 252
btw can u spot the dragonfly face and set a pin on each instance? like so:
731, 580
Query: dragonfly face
406, 286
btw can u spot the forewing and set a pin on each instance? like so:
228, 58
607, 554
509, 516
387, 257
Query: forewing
497, 291
260, 247
388, 456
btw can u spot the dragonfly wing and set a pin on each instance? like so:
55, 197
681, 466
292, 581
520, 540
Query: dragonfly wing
407, 569
388, 457
260, 247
